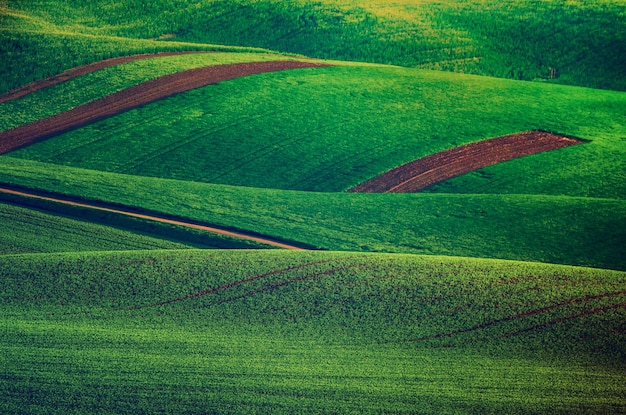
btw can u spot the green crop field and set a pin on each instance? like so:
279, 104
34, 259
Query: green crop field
307, 333
86, 88
328, 129
26, 230
502, 290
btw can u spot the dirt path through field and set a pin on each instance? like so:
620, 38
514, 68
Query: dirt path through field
82, 70
206, 228
137, 96
422, 173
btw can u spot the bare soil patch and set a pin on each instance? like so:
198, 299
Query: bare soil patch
426, 171
79, 71
137, 96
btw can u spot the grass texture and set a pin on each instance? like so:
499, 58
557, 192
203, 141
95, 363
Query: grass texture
559, 229
318, 332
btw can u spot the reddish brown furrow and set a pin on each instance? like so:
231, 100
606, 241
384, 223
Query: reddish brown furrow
424, 172
79, 71
533, 312
137, 96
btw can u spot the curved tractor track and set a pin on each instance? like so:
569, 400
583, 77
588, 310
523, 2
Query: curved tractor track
426, 171
81, 70
137, 96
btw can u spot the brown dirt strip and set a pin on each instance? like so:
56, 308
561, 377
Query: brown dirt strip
137, 96
82, 70
525, 314
192, 225
426, 171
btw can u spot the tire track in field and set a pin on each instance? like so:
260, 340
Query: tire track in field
82, 70
530, 313
426, 171
250, 279
160, 219
137, 96
285, 283
186, 140
567, 318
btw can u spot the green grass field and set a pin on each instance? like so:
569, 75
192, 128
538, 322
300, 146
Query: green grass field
307, 333
580, 42
498, 291
26, 230
559, 229
328, 129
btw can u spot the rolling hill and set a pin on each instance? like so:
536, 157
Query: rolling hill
501, 290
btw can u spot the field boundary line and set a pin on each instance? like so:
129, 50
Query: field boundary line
155, 218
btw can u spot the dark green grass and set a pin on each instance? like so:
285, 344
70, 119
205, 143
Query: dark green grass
579, 42
33, 225
328, 129
27, 230
561, 229
307, 333
86, 88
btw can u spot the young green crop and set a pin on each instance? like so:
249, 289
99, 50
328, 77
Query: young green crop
307, 332
328, 129
86, 88
570, 230
576, 42
27, 230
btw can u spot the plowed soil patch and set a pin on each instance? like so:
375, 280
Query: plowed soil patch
422, 173
79, 71
137, 96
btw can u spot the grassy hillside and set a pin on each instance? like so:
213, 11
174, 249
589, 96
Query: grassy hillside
133, 321
75, 92
27, 230
280, 332
328, 129
561, 229
578, 42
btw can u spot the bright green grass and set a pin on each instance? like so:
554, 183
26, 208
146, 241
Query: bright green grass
328, 129
320, 333
27, 230
576, 42
561, 229
86, 88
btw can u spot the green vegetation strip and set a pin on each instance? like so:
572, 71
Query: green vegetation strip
559, 229
80, 90
79, 71
306, 332
137, 96
29, 230
201, 227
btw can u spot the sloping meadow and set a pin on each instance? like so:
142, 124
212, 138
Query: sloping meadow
329, 129
317, 332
